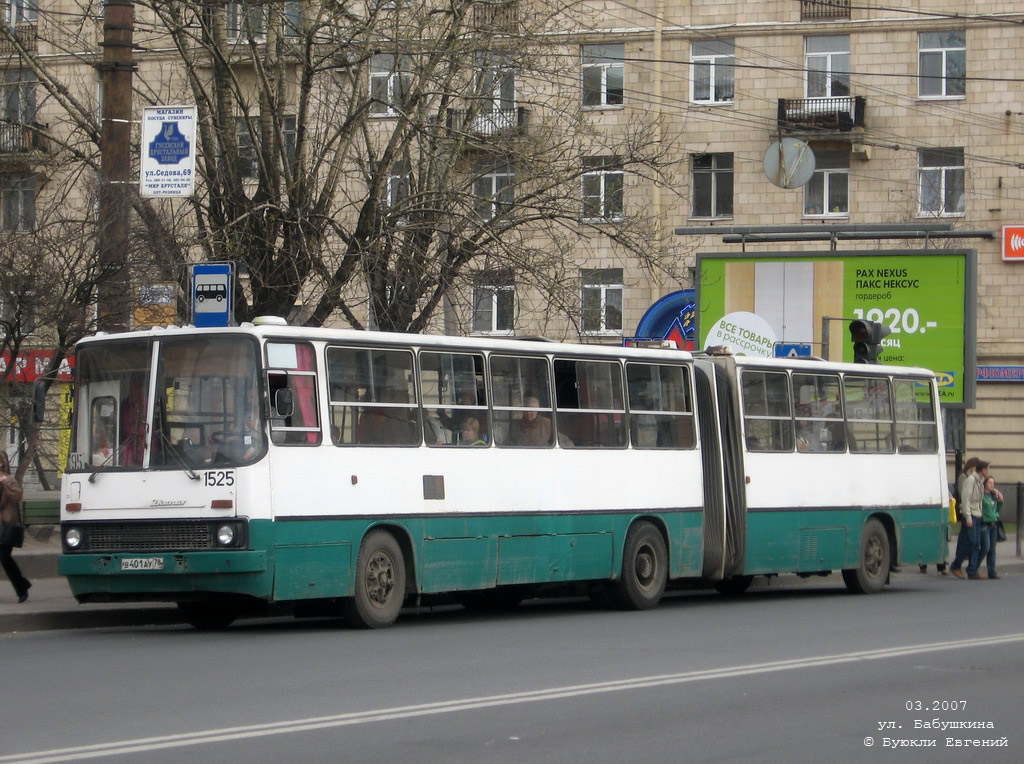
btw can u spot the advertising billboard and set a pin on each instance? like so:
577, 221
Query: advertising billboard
755, 303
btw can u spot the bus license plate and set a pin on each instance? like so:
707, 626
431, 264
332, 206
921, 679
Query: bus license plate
142, 563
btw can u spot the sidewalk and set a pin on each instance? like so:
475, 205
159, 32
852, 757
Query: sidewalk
51, 606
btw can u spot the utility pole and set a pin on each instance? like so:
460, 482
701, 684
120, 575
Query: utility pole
116, 69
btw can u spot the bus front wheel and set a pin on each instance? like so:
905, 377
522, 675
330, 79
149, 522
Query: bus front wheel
872, 573
380, 583
644, 569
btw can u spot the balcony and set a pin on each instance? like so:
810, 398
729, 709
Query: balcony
821, 115
501, 16
24, 34
17, 138
487, 124
813, 10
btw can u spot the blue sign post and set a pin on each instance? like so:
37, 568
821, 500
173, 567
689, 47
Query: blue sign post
212, 295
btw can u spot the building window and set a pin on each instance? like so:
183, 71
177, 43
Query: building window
496, 84
712, 185
496, 93
249, 20
827, 60
19, 202
19, 105
494, 303
19, 11
397, 185
941, 181
602, 301
713, 71
942, 64
828, 191
390, 81
246, 20
492, 189
603, 75
603, 180
246, 136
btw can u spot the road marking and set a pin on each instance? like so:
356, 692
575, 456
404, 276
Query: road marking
123, 747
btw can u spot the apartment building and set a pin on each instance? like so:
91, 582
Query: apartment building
913, 112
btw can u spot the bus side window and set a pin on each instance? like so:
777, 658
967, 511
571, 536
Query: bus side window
293, 368
915, 417
767, 411
660, 413
591, 410
868, 405
521, 392
372, 397
454, 394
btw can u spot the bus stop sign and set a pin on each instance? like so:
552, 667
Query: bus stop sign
212, 296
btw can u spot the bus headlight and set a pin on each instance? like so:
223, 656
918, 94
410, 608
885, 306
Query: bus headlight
73, 538
226, 535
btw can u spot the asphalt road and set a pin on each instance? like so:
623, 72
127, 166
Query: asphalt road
798, 674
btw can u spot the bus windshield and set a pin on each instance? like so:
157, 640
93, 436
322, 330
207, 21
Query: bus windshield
205, 408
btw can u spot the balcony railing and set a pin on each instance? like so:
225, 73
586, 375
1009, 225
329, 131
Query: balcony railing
19, 138
840, 114
487, 123
811, 10
24, 34
490, 16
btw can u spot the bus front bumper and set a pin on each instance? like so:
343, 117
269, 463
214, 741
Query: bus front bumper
169, 563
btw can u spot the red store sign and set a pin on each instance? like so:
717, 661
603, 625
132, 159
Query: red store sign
29, 365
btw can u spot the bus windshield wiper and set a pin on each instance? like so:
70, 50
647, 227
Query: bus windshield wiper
187, 465
97, 468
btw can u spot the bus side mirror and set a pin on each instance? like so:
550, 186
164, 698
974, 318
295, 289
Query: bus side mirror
284, 402
39, 400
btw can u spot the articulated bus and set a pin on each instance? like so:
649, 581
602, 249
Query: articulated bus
270, 468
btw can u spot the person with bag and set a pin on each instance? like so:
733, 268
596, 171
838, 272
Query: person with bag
962, 541
991, 505
971, 492
11, 531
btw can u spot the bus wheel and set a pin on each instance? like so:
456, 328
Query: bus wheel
872, 573
208, 616
380, 583
734, 586
644, 569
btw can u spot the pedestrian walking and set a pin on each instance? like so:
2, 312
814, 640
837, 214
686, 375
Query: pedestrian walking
971, 493
10, 495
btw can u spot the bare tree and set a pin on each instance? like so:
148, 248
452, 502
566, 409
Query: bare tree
49, 276
368, 158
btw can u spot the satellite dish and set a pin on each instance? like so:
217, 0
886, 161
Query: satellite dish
789, 163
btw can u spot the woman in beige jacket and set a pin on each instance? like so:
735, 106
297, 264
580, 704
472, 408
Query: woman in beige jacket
10, 495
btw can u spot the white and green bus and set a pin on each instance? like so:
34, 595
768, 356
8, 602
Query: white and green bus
230, 469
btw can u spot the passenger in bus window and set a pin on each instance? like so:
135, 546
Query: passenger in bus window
533, 428
458, 416
470, 433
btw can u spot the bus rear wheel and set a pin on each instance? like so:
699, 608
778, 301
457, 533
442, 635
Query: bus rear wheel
871, 575
380, 583
644, 569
